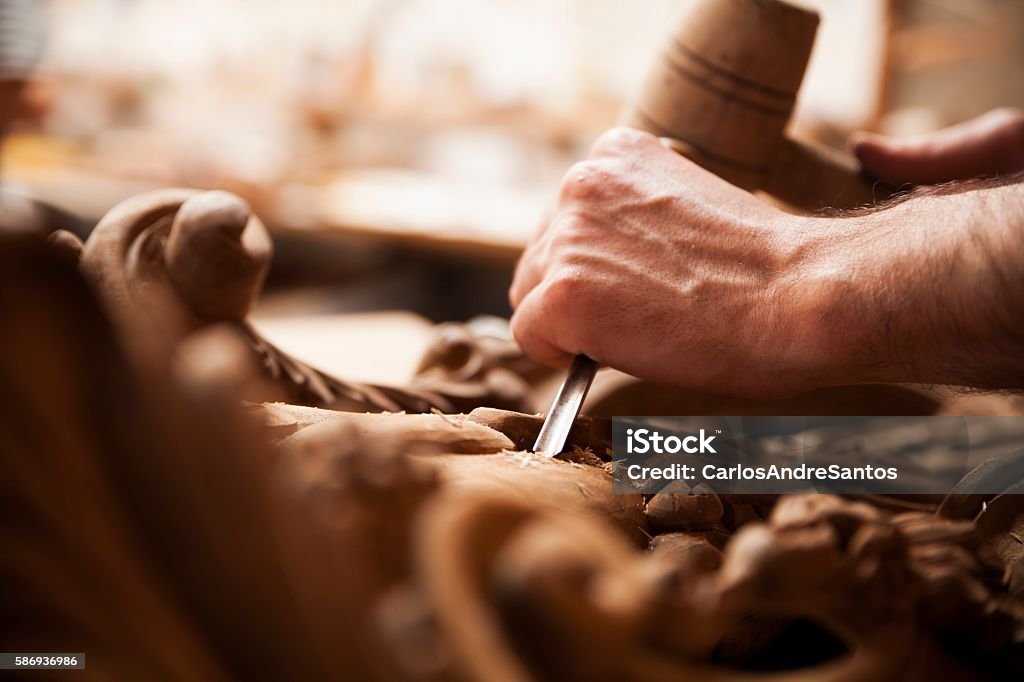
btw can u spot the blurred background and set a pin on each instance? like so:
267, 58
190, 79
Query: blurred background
402, 151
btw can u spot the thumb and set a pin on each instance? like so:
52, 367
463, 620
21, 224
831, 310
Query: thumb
991, 144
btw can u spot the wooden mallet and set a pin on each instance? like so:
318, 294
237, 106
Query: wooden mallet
723, 90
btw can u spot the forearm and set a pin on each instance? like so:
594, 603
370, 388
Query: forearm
930, 290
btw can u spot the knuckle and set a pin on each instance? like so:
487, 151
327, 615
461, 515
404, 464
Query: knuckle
622, 139
563, 288
570, 295
530, 337
584, 181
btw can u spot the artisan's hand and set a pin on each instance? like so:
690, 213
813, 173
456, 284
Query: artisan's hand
654, 266
658, 268
992, 144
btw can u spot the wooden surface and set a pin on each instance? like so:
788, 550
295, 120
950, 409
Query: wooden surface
385, 206
381, 347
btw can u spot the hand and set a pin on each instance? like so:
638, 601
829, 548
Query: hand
991, 144
658, 268
654, 266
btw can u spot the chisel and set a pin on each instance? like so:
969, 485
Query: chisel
565, 407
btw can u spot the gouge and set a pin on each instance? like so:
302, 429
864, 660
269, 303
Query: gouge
565, 407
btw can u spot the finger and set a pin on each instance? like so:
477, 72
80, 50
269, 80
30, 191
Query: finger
526, 277
529, 271
583, 183
530, 267
988, 145
532, 326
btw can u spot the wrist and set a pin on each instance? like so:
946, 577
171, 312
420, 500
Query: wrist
791, 339
918, 292
837, 304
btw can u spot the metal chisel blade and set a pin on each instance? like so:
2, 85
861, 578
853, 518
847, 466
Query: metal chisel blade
565, 407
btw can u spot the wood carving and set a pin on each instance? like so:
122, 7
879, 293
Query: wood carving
518, 592
472, 370
173, 533
184, 259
